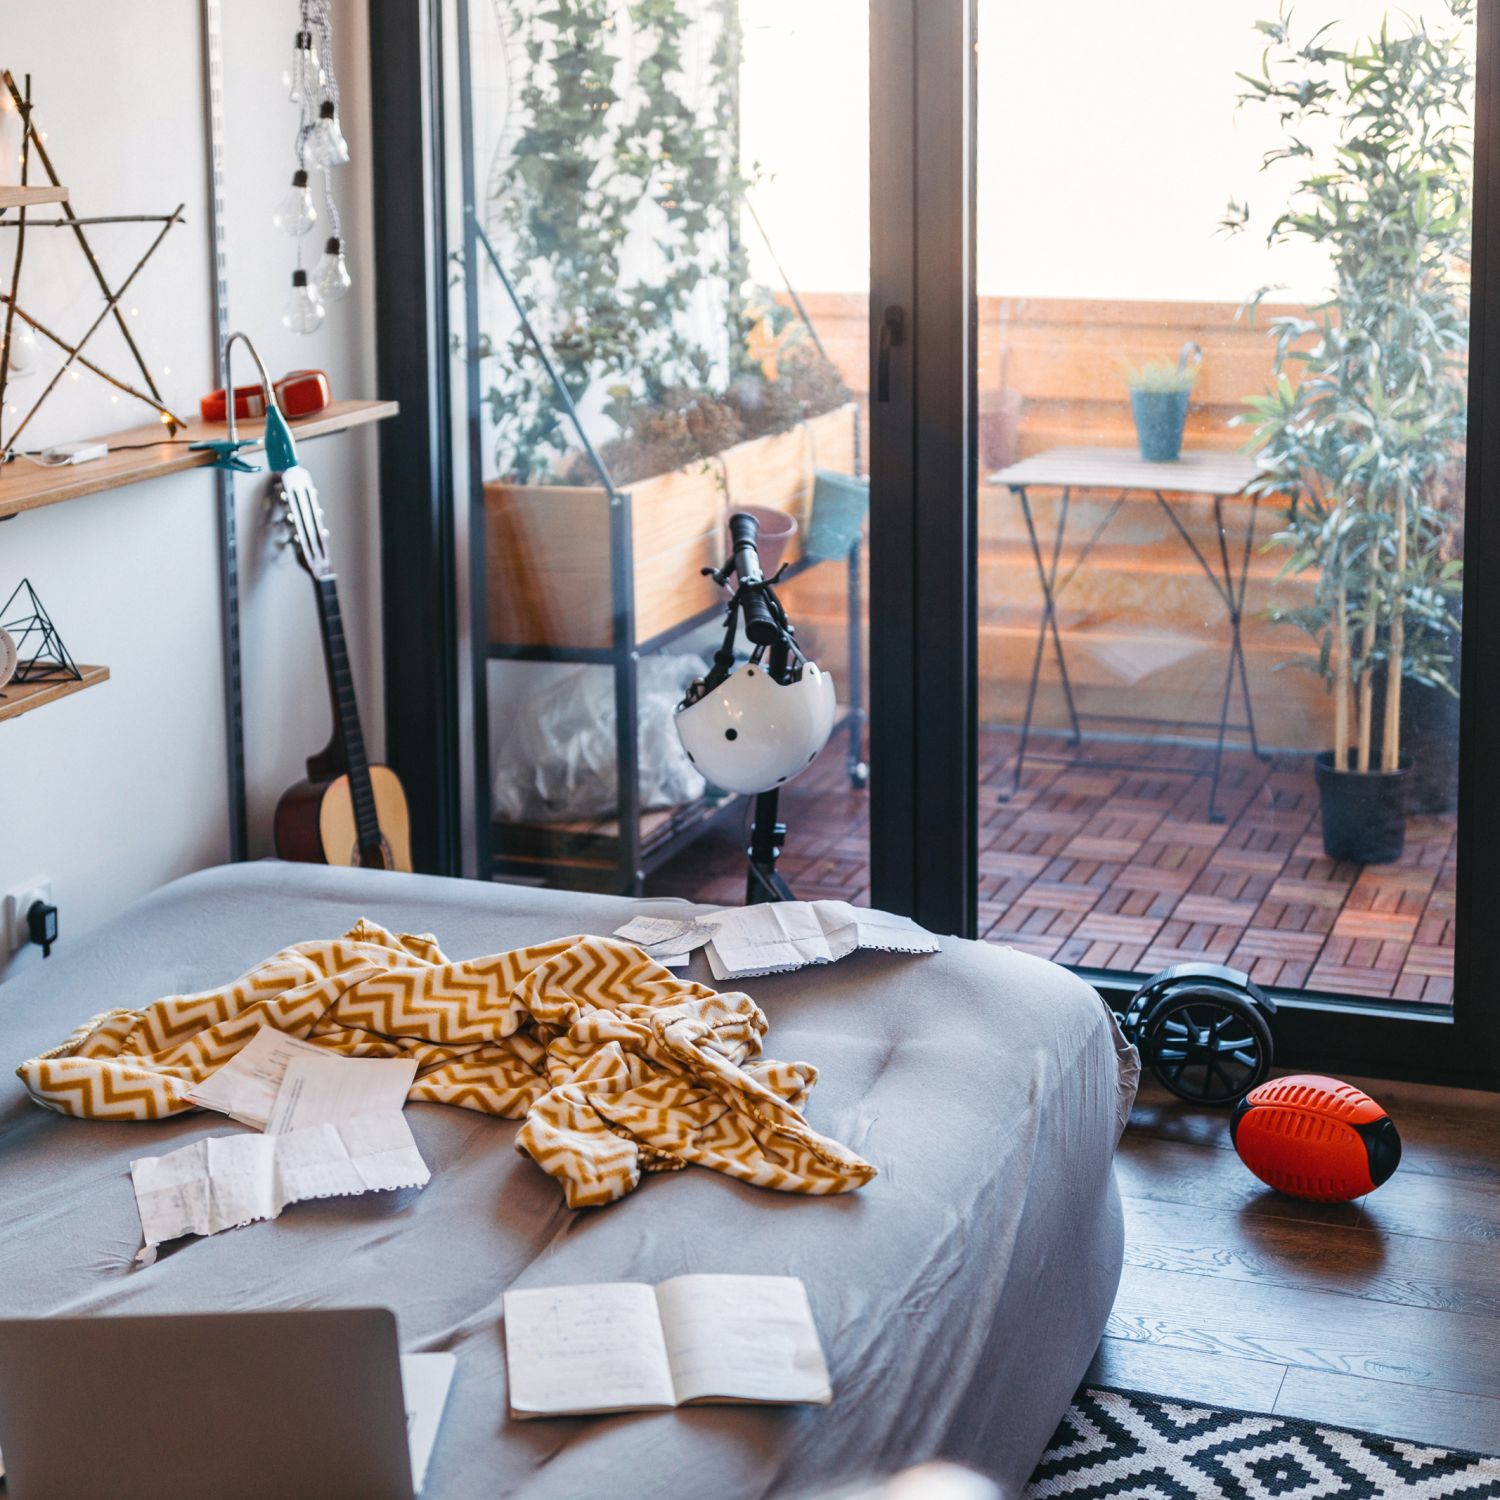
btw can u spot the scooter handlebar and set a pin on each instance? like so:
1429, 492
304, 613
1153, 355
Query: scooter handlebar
760, 624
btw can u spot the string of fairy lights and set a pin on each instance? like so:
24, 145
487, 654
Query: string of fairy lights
319, 148
313, 87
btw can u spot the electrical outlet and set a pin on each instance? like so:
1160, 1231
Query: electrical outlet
17, 903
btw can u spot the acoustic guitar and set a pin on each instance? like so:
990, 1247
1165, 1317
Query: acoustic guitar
347, 812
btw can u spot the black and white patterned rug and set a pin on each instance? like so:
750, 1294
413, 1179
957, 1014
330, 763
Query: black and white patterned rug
1120, 1443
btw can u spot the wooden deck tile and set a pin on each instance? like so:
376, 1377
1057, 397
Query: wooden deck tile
1123, 871
1101, 927
1383, 926
1215, 909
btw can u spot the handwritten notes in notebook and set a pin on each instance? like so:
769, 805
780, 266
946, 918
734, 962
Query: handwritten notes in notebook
626, 1346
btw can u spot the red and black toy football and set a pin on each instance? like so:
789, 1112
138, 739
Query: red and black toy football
1314, 1137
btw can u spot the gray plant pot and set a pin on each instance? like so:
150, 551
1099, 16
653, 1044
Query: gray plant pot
1160, 417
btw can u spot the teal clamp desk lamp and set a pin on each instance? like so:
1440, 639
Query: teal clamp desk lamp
281, 452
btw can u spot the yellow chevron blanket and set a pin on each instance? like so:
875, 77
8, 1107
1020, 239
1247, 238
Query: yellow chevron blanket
618, 1065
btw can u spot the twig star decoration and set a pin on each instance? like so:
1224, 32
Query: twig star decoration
16, 318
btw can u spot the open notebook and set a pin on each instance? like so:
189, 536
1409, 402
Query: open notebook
626, 1346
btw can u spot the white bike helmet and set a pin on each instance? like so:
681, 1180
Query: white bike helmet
752, 733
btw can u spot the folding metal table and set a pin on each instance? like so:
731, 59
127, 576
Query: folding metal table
1218, 475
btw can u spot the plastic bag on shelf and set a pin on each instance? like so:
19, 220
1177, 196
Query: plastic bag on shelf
558, 762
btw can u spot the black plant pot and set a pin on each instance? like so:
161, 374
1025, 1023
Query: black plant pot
1364, 814
1429, 733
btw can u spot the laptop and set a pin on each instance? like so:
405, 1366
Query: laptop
305, 1405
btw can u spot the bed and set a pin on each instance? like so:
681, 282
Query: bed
960, 1295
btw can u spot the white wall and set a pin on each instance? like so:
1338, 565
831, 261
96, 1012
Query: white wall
117, 789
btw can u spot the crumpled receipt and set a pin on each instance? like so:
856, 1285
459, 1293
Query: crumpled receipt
775, 937
670, 942
224, 1181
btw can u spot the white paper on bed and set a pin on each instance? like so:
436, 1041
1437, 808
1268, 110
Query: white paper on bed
776, 937
670, 941
224, 1181
328, 1088
246, 1086
425, 1379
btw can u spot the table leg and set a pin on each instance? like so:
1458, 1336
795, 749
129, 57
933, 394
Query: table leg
1047, 577
1239, 615
1231, 590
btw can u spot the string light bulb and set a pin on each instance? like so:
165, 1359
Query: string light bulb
303, 79
326, 146
330, 277
23, 351
296, 213
320, 146
303, 312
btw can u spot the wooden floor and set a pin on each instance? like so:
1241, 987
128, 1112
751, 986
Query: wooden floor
1106, 869
1382, 1314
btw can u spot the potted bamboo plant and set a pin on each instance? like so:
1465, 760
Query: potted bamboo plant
1360, 435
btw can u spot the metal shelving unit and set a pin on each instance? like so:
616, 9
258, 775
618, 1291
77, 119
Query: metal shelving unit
620, 853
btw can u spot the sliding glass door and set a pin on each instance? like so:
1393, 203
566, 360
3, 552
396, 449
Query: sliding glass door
1117, 390
664, 291
1225, 274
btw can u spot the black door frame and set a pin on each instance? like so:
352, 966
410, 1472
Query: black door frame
923, 557
1461, 1047
923, 490
418, 584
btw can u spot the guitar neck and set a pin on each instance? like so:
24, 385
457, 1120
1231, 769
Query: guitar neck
346, 712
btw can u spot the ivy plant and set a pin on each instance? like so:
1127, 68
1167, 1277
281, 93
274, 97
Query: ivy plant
619, 214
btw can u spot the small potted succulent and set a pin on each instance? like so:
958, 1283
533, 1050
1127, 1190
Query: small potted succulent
1159, 393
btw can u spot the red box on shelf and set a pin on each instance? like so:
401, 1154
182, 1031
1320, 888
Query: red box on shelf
302, 393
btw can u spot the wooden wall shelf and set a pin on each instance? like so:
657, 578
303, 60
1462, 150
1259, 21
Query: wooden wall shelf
141, 454
17, 698
12, 196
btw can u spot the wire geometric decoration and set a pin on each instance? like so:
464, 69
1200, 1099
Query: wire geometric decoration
41, 655
31, 142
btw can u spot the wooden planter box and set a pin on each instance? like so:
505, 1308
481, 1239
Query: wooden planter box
548, 553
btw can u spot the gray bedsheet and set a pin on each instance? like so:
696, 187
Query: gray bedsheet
960, 1295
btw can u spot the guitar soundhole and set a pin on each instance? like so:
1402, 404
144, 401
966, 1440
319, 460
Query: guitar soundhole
357, 859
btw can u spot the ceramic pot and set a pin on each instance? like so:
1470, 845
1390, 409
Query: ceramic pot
1160, 417
776, 530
